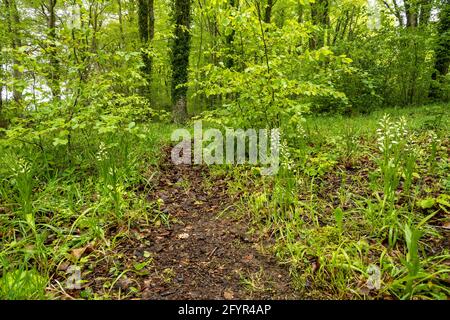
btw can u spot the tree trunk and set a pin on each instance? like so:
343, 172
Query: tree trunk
411, 14
268, 11
54, 62
13, 20
442, 48
122, 35
146, 21
1, 90
425, 12
151, 36
320, 18
396, 11
151, 19
300, 12
229, 63
180, 58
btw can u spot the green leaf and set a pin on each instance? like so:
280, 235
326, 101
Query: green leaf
427, 203
444, 199
131, 125
58, 142
140, 266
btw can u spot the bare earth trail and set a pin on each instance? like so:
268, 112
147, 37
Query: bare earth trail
204, 254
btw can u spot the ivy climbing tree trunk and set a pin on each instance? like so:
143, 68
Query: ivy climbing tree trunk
144, 34
442, 63
2, 76
443, 49
54, 62
268, 11
300, 11
180, 59
151, 19
411, 13
122, 35
151, 36
425, 12
230, 39
321, 19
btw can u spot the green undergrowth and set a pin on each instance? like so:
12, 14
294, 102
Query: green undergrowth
58, 199
360, 206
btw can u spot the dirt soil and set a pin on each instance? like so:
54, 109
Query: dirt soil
203, 253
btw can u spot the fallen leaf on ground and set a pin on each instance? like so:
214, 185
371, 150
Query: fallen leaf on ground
78, 253
64, 266
229, 295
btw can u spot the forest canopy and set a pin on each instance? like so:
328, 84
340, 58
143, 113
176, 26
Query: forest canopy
180, 57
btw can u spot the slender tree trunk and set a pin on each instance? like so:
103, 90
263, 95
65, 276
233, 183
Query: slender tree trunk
442, 50
151, 20
300, 12
396, 11
268, 11
180, 59
411, 14
54, 62
13, 20
146, 23
122, 35
143, 20
1, 91
229, 40
151, 36
425, 12
2, 125
320, 18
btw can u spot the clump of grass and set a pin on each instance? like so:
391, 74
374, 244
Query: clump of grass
434, 142
22, 284
52, 202
393, 144
335, 222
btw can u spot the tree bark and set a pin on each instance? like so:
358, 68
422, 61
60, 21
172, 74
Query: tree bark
321, 19
180, 59
54, 62
151, 19
396, 11
411, 14
122, 35
229, 62
151, 36
1, 89
425, 12
13, 20
300, 12
268, 11
442, 50
146, 22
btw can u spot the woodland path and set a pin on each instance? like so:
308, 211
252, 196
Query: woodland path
202, 253
206, 254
